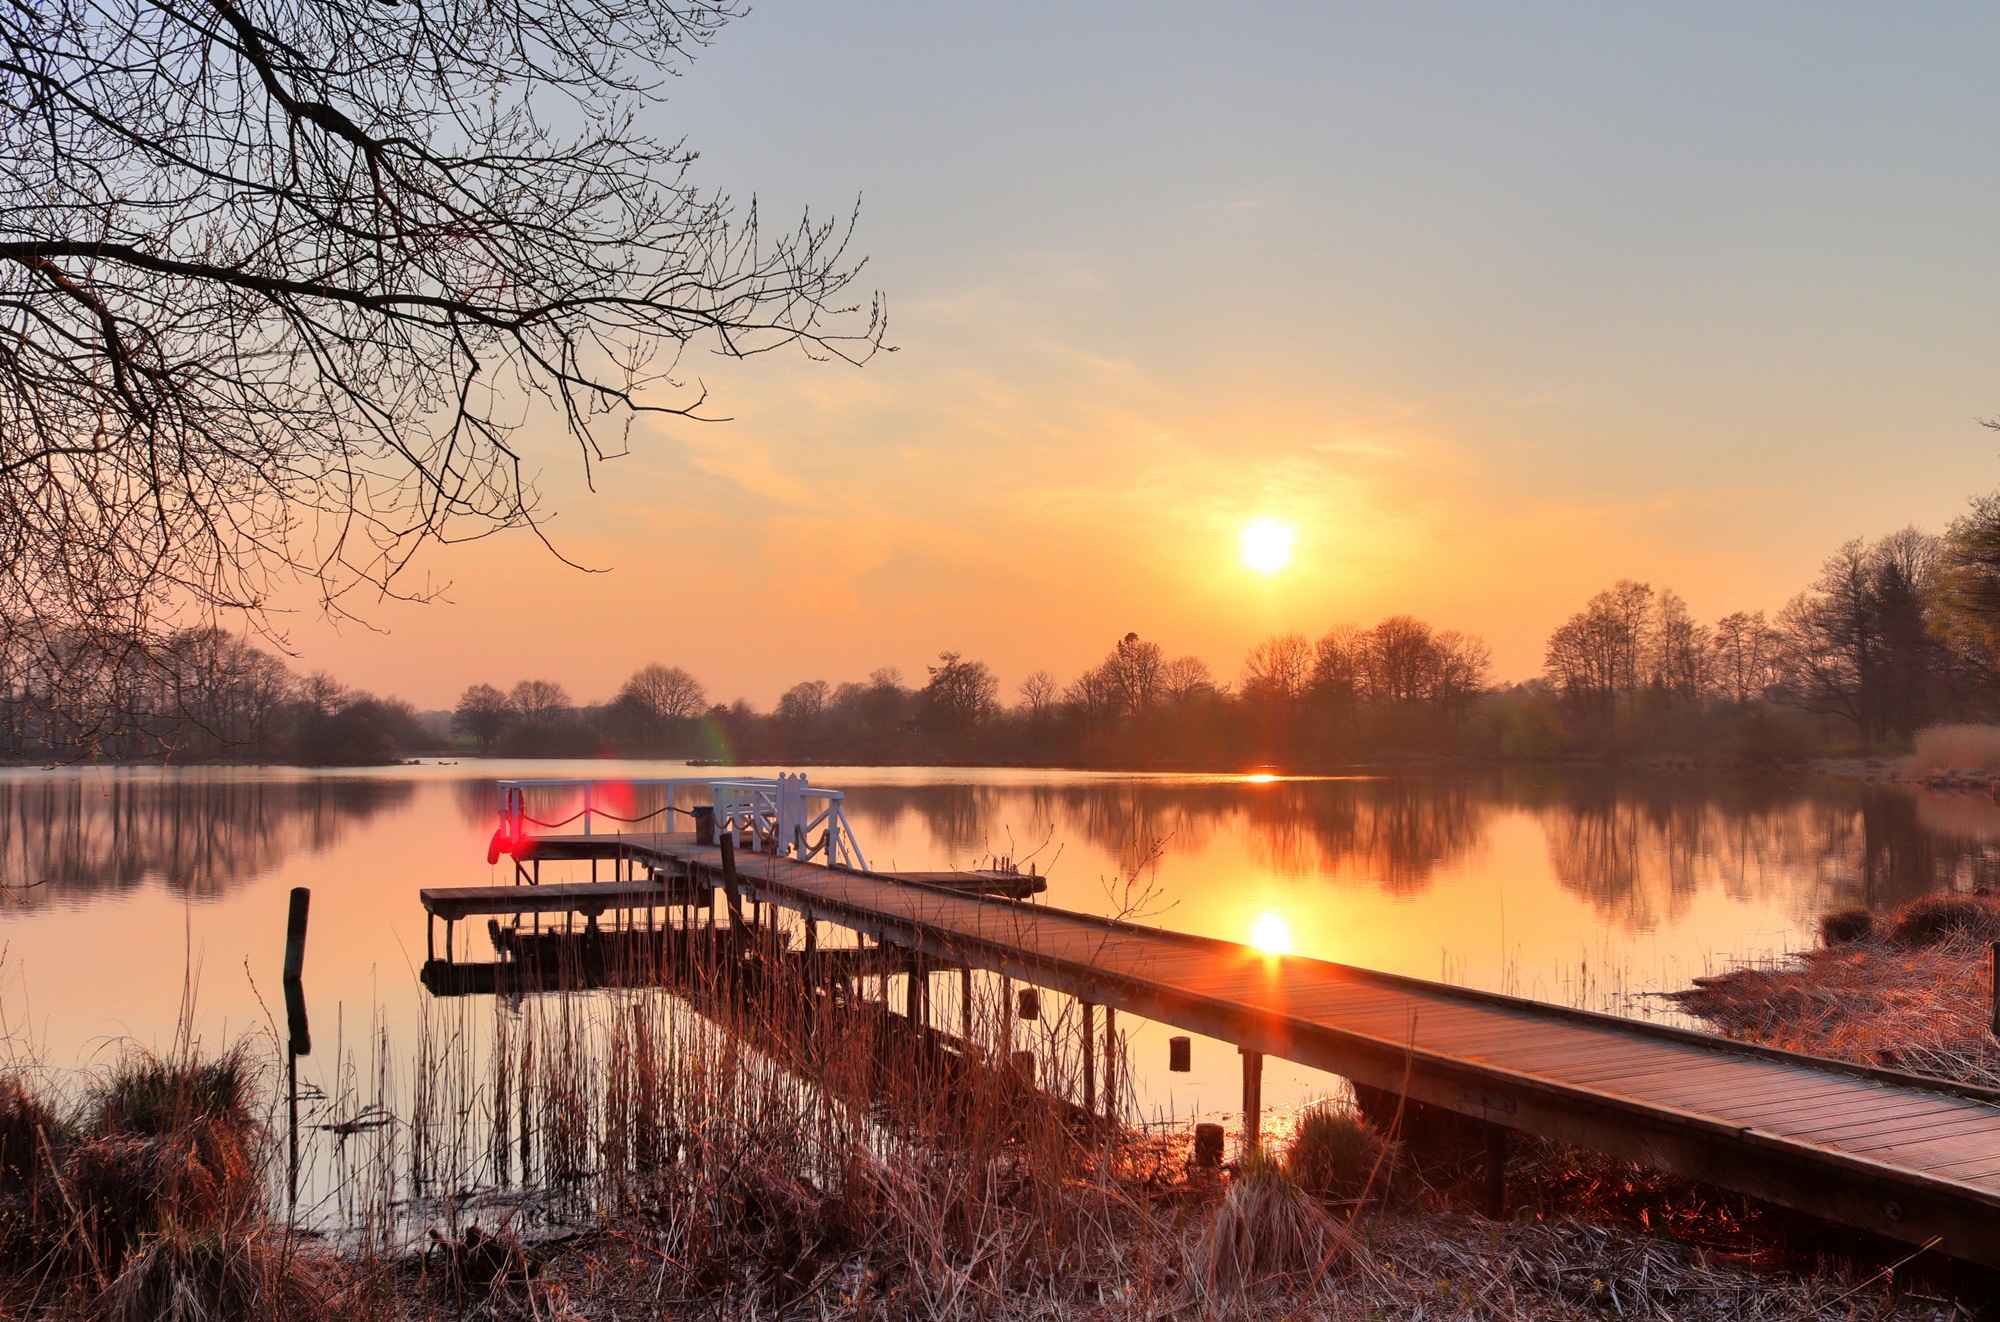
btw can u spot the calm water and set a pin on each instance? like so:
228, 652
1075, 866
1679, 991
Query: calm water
125, 888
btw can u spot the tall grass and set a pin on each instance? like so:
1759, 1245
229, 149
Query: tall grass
1964, 748
146, 1197
732, 1129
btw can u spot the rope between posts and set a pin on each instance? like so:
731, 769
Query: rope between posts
599, 812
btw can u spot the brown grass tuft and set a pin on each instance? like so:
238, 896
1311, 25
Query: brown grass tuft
218, 1275
1268, 1231
1337, 1153
1844, 925
1937, 918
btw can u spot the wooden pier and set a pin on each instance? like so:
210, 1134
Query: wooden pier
1913, 1158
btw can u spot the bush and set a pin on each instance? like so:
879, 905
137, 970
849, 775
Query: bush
1336, 1153
1534, 732
1845, 925
1766, 736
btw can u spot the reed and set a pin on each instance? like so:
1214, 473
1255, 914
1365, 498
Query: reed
741, 1132
1963, 748
146, 1197
738, 1136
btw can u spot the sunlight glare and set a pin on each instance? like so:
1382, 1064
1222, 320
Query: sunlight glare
1267, 544
1271, 934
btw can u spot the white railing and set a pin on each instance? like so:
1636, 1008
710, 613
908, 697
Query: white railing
775, 815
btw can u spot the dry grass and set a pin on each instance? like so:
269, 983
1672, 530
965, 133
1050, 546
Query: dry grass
1962, 748
1914, 994
741, 1140
753, 1144
1337, 1153
145, 1200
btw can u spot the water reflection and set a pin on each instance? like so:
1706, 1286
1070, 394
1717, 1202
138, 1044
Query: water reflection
73, 837
1399, 831
1641, 852
1638, 848
1580, 887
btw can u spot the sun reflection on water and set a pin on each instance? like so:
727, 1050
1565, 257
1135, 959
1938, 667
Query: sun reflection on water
1271, 934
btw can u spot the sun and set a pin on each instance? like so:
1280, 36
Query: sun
1267, 544
1271, 934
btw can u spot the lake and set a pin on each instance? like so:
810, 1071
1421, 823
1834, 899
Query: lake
128, 893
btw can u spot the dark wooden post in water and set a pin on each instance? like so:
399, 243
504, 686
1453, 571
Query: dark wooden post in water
1496, 1171
1089, 1058
965, 1005
298, 1031
1253, 1098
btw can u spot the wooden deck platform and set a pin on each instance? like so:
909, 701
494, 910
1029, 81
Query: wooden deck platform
1913, 1158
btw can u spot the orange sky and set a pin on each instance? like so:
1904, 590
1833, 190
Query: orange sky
1494, 310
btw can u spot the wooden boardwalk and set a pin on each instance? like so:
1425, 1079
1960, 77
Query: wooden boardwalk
1914, 1158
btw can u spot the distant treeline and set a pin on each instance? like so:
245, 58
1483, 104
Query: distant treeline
200, 695
1894, 635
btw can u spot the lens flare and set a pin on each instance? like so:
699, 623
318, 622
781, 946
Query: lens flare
1267, 544
1271, 934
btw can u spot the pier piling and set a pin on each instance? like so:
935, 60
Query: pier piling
1253, 1099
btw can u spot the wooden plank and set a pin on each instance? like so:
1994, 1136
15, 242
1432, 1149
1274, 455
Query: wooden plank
1816, 1096
1907, 1117
1828, 1107
1915, 1131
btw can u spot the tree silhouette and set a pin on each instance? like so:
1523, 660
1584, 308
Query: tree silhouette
286, 286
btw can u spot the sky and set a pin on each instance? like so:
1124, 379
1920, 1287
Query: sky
1492, 305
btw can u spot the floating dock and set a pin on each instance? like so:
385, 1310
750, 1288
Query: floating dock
1906, 1156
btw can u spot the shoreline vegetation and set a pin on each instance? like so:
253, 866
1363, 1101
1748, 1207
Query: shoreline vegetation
736, 1136
1891, 640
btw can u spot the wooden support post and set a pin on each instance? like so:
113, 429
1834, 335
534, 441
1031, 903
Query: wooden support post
1253, 1099
965, 1004
916, 998
1495, 1193
729, 884
1110, 1063
1089, 1058
1006, 1016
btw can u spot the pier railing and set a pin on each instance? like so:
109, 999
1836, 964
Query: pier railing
783, 814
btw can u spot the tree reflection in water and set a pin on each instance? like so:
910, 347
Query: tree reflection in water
1637, 846
70, 837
